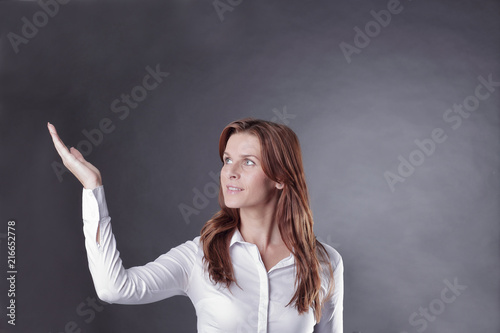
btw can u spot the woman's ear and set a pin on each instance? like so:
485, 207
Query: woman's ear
279, 186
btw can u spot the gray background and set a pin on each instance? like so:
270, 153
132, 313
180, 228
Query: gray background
265, 57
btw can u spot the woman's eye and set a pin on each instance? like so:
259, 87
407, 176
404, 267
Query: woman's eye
227, 160
249, 162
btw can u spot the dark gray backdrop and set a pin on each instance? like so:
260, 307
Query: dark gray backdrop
417, 223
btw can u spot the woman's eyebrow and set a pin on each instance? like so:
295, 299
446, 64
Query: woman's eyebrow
249, 155
242, 155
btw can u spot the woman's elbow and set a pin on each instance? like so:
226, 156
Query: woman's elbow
108, 296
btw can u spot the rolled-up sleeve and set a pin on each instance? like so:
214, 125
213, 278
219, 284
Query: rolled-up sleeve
167, 276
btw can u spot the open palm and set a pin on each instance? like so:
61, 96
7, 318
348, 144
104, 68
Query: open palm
87, 174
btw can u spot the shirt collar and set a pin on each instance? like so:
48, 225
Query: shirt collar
236, 238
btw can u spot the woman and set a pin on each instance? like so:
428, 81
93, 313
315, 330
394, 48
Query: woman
257, 266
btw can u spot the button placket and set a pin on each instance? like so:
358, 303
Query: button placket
263, 290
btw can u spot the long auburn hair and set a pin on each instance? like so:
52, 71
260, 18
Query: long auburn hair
281, 162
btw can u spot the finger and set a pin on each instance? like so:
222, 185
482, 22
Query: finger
58, 143
55, 137
77, 154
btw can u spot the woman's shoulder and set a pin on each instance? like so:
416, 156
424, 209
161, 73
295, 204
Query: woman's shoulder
191, 248
334, 256
193, 244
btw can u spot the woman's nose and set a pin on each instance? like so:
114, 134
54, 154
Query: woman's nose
231, 171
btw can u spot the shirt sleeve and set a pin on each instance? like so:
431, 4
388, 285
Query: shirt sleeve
332, 314
167, 276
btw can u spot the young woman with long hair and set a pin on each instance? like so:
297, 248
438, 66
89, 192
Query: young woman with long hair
257, 265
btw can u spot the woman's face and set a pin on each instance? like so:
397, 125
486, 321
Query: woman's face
243, 181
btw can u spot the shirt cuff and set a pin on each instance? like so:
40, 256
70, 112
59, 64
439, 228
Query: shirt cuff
94, 207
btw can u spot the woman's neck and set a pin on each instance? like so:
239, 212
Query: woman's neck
260, 228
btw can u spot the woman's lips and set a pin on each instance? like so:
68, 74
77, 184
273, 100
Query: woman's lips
233, 189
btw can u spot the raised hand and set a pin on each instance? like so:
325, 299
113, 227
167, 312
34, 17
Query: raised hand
87, 174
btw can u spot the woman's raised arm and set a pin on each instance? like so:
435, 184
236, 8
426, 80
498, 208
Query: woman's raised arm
167, 276
86, 173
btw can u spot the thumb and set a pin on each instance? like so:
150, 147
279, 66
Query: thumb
77, 154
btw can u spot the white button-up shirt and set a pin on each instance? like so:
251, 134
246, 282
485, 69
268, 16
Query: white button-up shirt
256, 304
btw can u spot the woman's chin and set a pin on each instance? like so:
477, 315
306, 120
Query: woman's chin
231, 204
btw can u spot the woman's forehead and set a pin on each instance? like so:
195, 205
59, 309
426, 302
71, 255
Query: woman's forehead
243, 144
